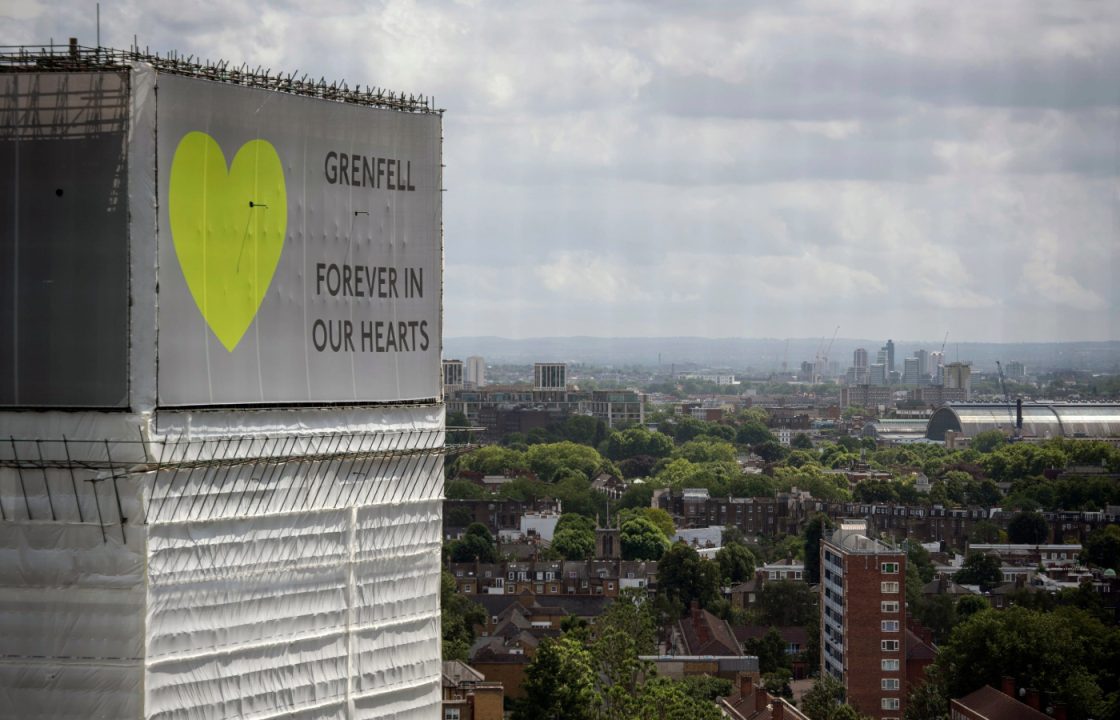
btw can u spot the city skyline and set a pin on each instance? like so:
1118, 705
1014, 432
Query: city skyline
773, 171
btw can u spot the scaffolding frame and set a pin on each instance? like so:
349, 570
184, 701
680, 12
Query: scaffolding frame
71, 57
214, 461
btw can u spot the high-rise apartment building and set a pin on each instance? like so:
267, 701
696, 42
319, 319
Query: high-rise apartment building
475, 372
863, 628
877, 374
859, 359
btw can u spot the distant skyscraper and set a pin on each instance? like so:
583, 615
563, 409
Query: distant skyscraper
936, 361
475, 371
910, 372
877, 374
923, 362
859, 359
889, 347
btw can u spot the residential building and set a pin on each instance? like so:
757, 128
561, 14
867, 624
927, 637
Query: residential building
750, 701
468, 696
475, 372
863, 638
987, 703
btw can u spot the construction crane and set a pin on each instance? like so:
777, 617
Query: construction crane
822, 357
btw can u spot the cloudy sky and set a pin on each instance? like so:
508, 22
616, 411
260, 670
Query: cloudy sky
763, 169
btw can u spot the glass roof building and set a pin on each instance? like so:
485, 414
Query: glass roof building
1040, 420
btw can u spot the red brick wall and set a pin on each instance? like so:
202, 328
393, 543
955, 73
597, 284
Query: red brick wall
863, 632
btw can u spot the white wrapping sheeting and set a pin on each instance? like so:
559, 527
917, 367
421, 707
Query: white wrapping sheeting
256, 589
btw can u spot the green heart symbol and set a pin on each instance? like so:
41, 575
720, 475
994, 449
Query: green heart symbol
228, 228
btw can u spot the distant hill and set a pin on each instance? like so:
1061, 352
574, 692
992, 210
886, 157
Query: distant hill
765, 354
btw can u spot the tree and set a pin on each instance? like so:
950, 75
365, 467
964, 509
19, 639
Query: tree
1066, 654
705, 450
574, 543
476, 544
801, 441
984, 531
770, 451
753, 432
824, 700
663, 699
637, 441
637, 496
641, 539
574, 521
462, 490
459, 614
814, 530
736, 563
549, 461
493, 460
988, 441
980, 569
560, 683
969, 605
1102, 548
657, 516
786, 602
777, 683
770, 649
930, 699
1028, 527
682, 576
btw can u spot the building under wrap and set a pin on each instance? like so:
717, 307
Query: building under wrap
221, 422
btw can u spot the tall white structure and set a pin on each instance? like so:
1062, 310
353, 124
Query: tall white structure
475, 372
221, 477
452, 374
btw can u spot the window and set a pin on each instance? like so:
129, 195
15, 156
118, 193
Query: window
451, 714
539, 589
493, 619
510, 575
890, 626
889, 606
552, 588
890, 665
610, 586
487, 573
890, 568
889, 703
889, 587
889, 645
890, 684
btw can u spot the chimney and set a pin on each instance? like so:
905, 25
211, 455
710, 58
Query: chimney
1008, 686
779, 710
761, 698
1033, 699
746, 685
1019, 415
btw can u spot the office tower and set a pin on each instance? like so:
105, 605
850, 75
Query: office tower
863, 629
910, 373
890, 355
877, 374
936, 367
859, 359
550, 376
475, 372
452, 374
923, 362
